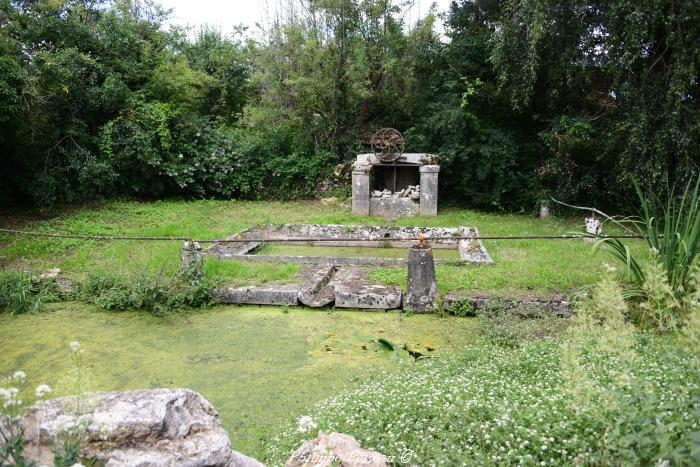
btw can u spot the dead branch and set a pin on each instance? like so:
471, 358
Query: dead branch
599, 212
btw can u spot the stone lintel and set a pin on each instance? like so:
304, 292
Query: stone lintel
429, 169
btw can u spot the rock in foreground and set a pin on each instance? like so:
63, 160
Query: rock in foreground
160, 427
335, 449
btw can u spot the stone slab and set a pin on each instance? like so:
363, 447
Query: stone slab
352, 290
269, 294
407, 158
472, 251
317, 293
369, 297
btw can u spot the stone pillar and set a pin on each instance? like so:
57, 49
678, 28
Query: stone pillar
422, 285
192, 258
429, 189
360, 189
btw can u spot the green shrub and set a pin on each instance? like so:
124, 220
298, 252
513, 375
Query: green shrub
463, 308
156, 294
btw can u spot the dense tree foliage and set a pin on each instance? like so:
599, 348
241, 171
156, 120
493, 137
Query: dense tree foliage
521, 99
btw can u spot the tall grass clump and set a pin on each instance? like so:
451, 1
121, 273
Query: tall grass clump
671, 230
20, 294
157, 294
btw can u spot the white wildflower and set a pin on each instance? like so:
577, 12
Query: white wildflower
74, 346
306, 424
5, 394
609, 267
64, 423
12, 403
42, 390
19, 376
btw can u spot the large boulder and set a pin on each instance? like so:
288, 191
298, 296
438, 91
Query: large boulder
159, 427
335, 449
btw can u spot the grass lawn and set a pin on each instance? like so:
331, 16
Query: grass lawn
532, 266
261, 367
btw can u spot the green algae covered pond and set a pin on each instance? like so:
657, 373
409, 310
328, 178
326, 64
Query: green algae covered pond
260, 366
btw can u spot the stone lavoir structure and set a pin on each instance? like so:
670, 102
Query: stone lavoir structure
406, 186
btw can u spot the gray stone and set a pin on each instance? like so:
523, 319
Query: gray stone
159, 427
406, 158
360, 190
269, 294
368, 297
422, 286
192, 257
353, 290
429, 190
389, 207
336, 449
317, 293
472, 251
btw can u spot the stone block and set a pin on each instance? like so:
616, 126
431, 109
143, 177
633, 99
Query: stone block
371, 297
317, 293
272, 294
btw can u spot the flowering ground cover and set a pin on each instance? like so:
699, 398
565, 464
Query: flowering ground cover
496, 406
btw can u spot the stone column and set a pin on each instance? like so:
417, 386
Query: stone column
429, 189
360, 189
422, 285
192, 258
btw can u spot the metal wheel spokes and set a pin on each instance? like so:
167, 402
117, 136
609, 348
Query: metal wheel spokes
387, 144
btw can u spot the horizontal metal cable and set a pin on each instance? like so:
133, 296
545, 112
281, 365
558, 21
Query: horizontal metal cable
307, 239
